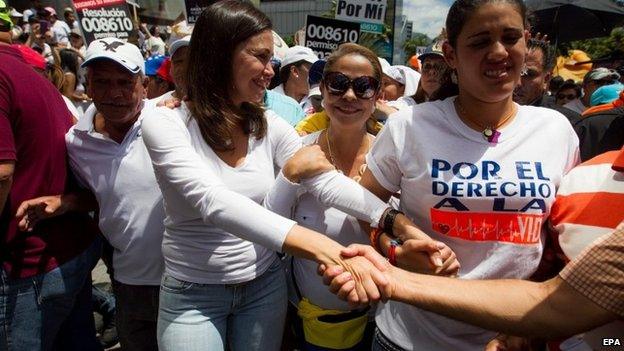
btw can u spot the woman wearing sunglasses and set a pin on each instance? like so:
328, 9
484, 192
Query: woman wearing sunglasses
350, 87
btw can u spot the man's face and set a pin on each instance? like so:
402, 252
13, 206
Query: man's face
299, 75
69, 17
116, 93
534, 82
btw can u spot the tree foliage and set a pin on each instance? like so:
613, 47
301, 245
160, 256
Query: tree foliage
418, 39
598, 47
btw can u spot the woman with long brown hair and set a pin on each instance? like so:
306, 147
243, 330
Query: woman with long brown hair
215, 159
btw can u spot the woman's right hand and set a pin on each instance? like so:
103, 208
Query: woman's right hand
306, 163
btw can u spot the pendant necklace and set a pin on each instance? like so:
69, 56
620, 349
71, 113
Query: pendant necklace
489, 132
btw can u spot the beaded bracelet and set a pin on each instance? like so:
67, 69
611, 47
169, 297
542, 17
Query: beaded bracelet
392, 252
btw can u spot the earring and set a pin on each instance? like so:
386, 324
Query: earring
454, 77
323, 104
524, 70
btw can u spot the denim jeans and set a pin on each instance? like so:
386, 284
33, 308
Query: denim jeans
103, 303
382, 343
247, 316
137, 314
50, 311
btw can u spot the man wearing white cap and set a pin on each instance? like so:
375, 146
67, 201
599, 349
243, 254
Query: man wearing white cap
17, 30
294, 72
107, 154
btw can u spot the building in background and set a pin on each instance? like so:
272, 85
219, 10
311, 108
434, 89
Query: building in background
289, 16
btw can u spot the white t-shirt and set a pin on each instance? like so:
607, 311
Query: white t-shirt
402, 103
61, 31
155, 45
212, 209
131, 209
486, 201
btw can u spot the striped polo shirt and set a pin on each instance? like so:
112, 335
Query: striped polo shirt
589, 202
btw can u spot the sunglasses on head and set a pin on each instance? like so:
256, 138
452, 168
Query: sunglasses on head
364, 87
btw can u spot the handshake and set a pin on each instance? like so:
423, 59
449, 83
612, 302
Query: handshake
364, 276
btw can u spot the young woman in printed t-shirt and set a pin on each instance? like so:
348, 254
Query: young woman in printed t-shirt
476, 171
215, 159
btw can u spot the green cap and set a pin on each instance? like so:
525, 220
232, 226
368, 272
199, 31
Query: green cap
4, 14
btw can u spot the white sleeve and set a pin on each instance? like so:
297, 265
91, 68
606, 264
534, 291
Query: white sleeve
284, 139
178, 165
382, 160
283, 195
334, 189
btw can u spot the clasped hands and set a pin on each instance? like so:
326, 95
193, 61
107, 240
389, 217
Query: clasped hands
365, 276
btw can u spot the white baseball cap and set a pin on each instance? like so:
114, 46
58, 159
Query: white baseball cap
15, 13
298, 53
384, 64
118, 50
180, 43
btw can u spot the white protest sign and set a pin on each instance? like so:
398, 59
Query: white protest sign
368, 11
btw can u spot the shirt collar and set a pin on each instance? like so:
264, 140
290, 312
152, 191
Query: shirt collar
85, 124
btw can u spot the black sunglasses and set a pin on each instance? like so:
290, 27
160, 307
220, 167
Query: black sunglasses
364, 87
566, 96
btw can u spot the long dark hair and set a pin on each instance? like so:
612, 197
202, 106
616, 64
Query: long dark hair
69, 61
219, 29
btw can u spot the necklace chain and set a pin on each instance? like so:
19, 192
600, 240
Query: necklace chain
333, 160
490, 133
329, 149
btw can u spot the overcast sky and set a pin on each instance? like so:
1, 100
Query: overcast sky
428, 15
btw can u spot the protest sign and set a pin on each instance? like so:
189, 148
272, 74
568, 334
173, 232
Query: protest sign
324, 35
103, 19
362, 11
194, 8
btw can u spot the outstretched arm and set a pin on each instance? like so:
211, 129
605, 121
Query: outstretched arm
180, 167
549, 309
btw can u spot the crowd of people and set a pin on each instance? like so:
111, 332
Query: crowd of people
244, 200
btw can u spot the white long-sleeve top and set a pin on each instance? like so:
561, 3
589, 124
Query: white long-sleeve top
215, 230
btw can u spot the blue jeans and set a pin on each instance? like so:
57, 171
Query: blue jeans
50, 311
247, 316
